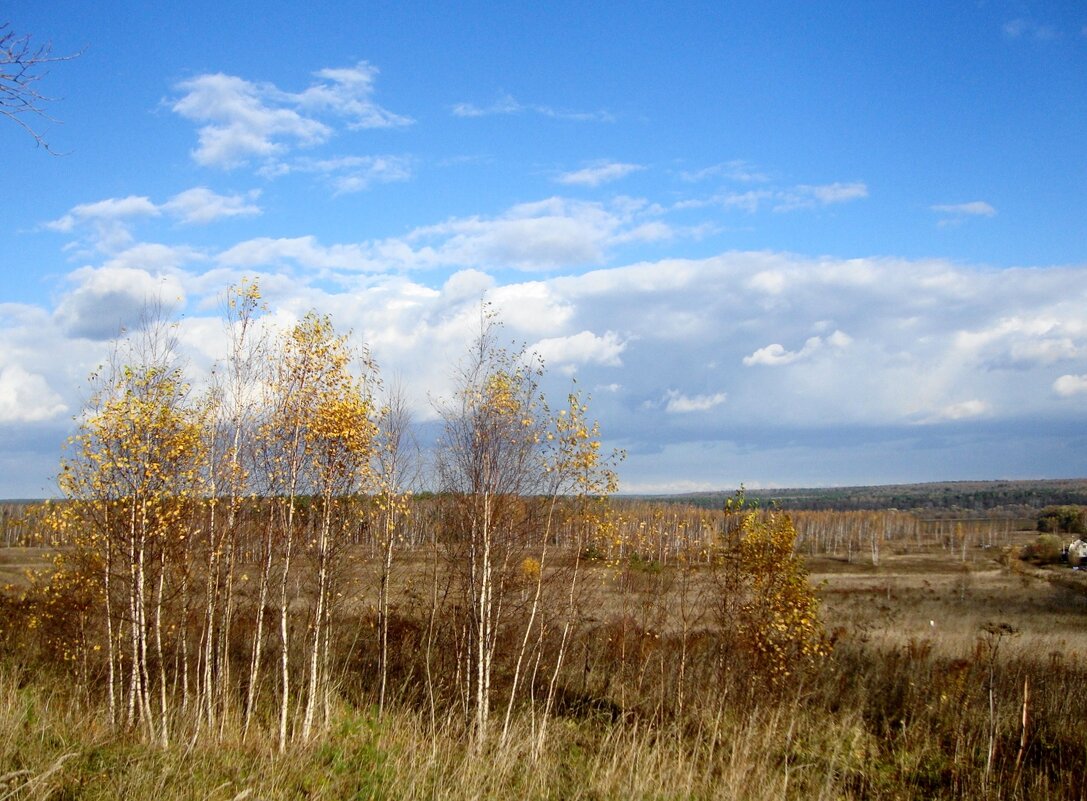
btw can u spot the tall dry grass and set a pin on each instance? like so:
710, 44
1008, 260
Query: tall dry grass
923, 696
52, 748
868, 723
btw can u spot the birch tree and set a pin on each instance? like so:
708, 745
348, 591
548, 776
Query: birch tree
513, 475
488, 464
316, 443
133, 472
228, 487
397, 465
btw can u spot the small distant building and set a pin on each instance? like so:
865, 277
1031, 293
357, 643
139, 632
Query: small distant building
1077, 553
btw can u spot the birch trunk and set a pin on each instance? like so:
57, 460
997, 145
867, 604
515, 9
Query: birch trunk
284, 614
258, 632
318, 619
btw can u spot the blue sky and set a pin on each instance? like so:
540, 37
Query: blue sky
782, 243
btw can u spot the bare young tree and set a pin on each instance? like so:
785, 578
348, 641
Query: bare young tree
512, 476
488, 464
22, 65
398, 466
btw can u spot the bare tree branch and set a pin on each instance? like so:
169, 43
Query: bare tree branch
22, 65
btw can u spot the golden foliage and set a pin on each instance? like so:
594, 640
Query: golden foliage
766, 602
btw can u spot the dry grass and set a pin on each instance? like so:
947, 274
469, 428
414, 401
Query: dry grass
935, 598
51, 749
17, 562
899, 710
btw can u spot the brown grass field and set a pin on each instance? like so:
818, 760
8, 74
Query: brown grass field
950, 677
936, 598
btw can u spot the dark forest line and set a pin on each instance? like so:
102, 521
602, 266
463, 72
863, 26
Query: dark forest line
1008, 497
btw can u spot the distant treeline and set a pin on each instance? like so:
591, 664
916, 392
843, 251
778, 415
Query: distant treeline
21, 524
1011, 498
1015, 500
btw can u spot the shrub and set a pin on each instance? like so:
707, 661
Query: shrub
765, 604
1046, 550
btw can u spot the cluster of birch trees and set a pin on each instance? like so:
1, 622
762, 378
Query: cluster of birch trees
215, 531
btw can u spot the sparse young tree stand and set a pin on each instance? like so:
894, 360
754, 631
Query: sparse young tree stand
505, 467
487, 462
133, 474
316, 447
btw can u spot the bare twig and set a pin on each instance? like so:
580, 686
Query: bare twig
22, 65
36, 779
1023, 728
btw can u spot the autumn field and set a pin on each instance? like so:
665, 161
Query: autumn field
951, 669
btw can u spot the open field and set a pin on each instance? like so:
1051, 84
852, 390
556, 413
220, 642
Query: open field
17, 561
934, 597
955, 672
927, 595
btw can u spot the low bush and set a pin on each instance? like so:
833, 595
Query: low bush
1046, 550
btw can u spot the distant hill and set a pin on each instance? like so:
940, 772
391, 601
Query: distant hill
1011, 497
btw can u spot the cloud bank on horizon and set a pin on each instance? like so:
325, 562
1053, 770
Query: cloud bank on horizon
688, 292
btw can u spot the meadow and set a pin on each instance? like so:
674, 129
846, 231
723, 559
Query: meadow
952, 669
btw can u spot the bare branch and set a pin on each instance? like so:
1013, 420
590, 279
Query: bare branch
22, 65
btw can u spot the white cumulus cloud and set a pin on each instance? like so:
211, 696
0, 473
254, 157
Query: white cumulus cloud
26, 397
201, 205
347, 92
953, 214
963, 410
584, 347
108, 299
348, 174
107, 224
111, 209
305, 251
807, 196
1068, 385
975, 208
241, 120
782, 198
775, 354
542, 235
